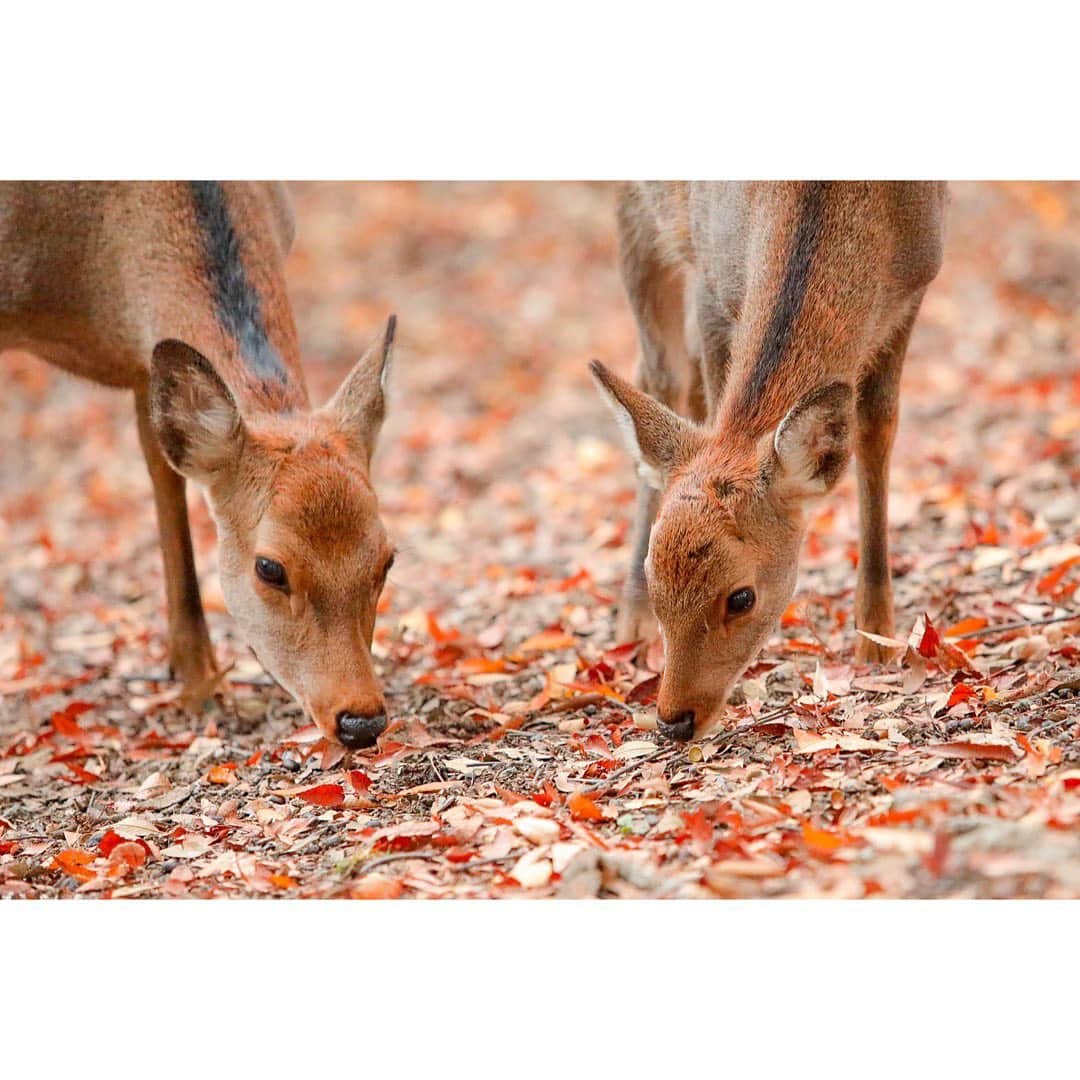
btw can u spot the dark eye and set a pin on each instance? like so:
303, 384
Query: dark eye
271, 572
740, 601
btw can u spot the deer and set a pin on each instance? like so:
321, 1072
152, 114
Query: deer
176, 292
773, 321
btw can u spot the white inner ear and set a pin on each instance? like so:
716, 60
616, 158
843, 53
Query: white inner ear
651, 476
212, 427
648, 473
793, 445
209, 424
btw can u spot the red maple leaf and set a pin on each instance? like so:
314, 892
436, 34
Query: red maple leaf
324, 795
931, 640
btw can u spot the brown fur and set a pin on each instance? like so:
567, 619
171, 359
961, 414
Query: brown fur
794, 305
110, 281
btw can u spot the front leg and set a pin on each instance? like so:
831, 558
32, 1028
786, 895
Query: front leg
876, 414
636, 621
191, 656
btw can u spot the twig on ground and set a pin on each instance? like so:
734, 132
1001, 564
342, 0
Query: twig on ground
757, 721
1044, 691
987, 631
720, 741
430, 856
1049, 726
398, 856
481, 862
607, 781
580, 702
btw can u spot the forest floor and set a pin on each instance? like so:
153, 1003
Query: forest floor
522, 760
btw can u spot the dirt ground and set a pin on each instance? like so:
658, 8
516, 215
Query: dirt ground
522, 759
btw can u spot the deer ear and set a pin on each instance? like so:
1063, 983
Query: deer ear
656, 437
193, 414
811, 447
359, 405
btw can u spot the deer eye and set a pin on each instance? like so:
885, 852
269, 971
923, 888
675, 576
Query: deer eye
740, 601
271, 572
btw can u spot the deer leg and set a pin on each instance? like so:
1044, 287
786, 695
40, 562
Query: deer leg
876, 412
655, 292
191, 656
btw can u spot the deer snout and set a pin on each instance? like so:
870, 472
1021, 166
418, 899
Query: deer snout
679, 727
357, 732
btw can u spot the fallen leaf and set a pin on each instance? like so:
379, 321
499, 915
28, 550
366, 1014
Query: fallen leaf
64, 723
74, 862
1035, 760
548, 640
477, 665
1051, 555
810, 742
698, 826
634, 748
820, 841
125, 857
972, 751
359, 780
191, 846
532, 870
323, 795
881, 639
960, 692
438, 634
1050, 582
929, 640
537, 830
377, 887
583, 808
821, 683
645, 692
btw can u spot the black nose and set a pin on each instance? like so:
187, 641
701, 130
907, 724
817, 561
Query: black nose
359, 732
680, 728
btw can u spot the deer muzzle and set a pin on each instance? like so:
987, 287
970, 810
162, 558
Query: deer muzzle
359, 732
680, 727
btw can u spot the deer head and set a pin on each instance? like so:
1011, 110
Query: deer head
723, 552
303, 554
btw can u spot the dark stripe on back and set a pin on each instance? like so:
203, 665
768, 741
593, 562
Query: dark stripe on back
237, 303
792, 293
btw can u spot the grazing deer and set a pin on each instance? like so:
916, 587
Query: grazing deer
176, 292
776, 317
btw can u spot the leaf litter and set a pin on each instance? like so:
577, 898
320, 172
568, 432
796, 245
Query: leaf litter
522, 759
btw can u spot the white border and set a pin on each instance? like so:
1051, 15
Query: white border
596, 989
564, 89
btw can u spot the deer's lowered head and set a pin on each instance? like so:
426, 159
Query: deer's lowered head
723, 553
303, 554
